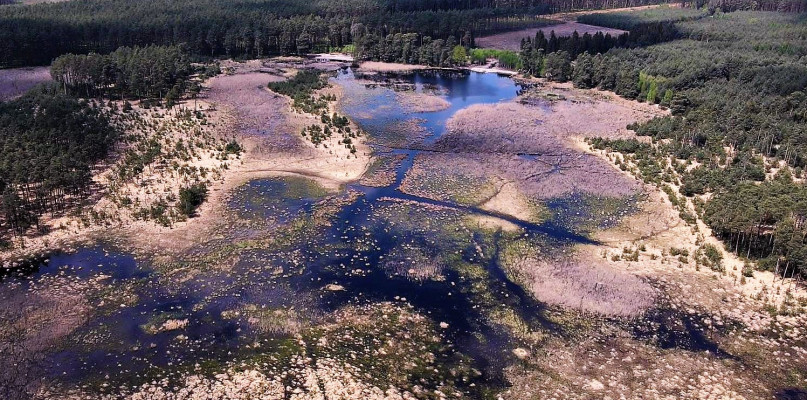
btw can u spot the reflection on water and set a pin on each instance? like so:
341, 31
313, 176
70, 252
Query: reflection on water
383, 246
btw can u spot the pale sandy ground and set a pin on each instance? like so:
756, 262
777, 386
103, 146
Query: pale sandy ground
269, 130
621, 367
659, 227
594, 367
555, 120
494, 70
549, 121
158, 182
16, 81
376, 66
508, 200
239, 105
658, 224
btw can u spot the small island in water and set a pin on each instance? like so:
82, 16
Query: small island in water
255, 199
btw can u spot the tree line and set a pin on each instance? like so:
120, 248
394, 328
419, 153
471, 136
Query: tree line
140, 72
35, 35
551, 57
736, 140
48, 143
789, 6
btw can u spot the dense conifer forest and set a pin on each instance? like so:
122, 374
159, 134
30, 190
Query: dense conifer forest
35, 35
735, 143
48, 143
127, 72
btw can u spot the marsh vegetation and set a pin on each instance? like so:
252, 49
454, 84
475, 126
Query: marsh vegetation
307, 228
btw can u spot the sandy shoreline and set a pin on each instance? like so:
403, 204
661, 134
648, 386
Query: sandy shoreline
618, 300
242, 106
271, 151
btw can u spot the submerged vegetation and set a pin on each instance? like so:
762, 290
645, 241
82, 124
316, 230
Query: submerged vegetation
482, 254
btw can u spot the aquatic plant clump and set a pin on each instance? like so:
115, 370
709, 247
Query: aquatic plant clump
588, 285
461, 264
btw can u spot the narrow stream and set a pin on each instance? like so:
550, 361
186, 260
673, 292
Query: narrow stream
361, 252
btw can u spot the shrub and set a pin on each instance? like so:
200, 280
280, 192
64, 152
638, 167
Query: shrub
191, 197
748, 270
232, 147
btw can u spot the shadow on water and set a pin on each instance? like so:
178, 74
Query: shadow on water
83, 263
671, 329
791, 394
351, 252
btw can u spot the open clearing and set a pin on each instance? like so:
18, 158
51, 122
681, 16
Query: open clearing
348, 274
566, 26
16, 81
512, 40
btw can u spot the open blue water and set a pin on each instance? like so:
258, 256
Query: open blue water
373, 235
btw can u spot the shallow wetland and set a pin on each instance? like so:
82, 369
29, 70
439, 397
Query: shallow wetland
457, 264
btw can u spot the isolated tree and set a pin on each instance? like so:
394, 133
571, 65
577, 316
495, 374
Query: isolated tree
557, 66
459, 55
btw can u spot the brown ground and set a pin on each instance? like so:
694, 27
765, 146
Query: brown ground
566, 26
417, 102
487, 137
16, 81
605, 361
608, 363
512, 40
237, 104
269, 130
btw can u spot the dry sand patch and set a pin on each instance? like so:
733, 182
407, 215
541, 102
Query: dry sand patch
236, 104
376, 66
268, 129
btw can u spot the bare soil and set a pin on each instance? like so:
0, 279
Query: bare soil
237, 105
512, 40
16, 81
566, 26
